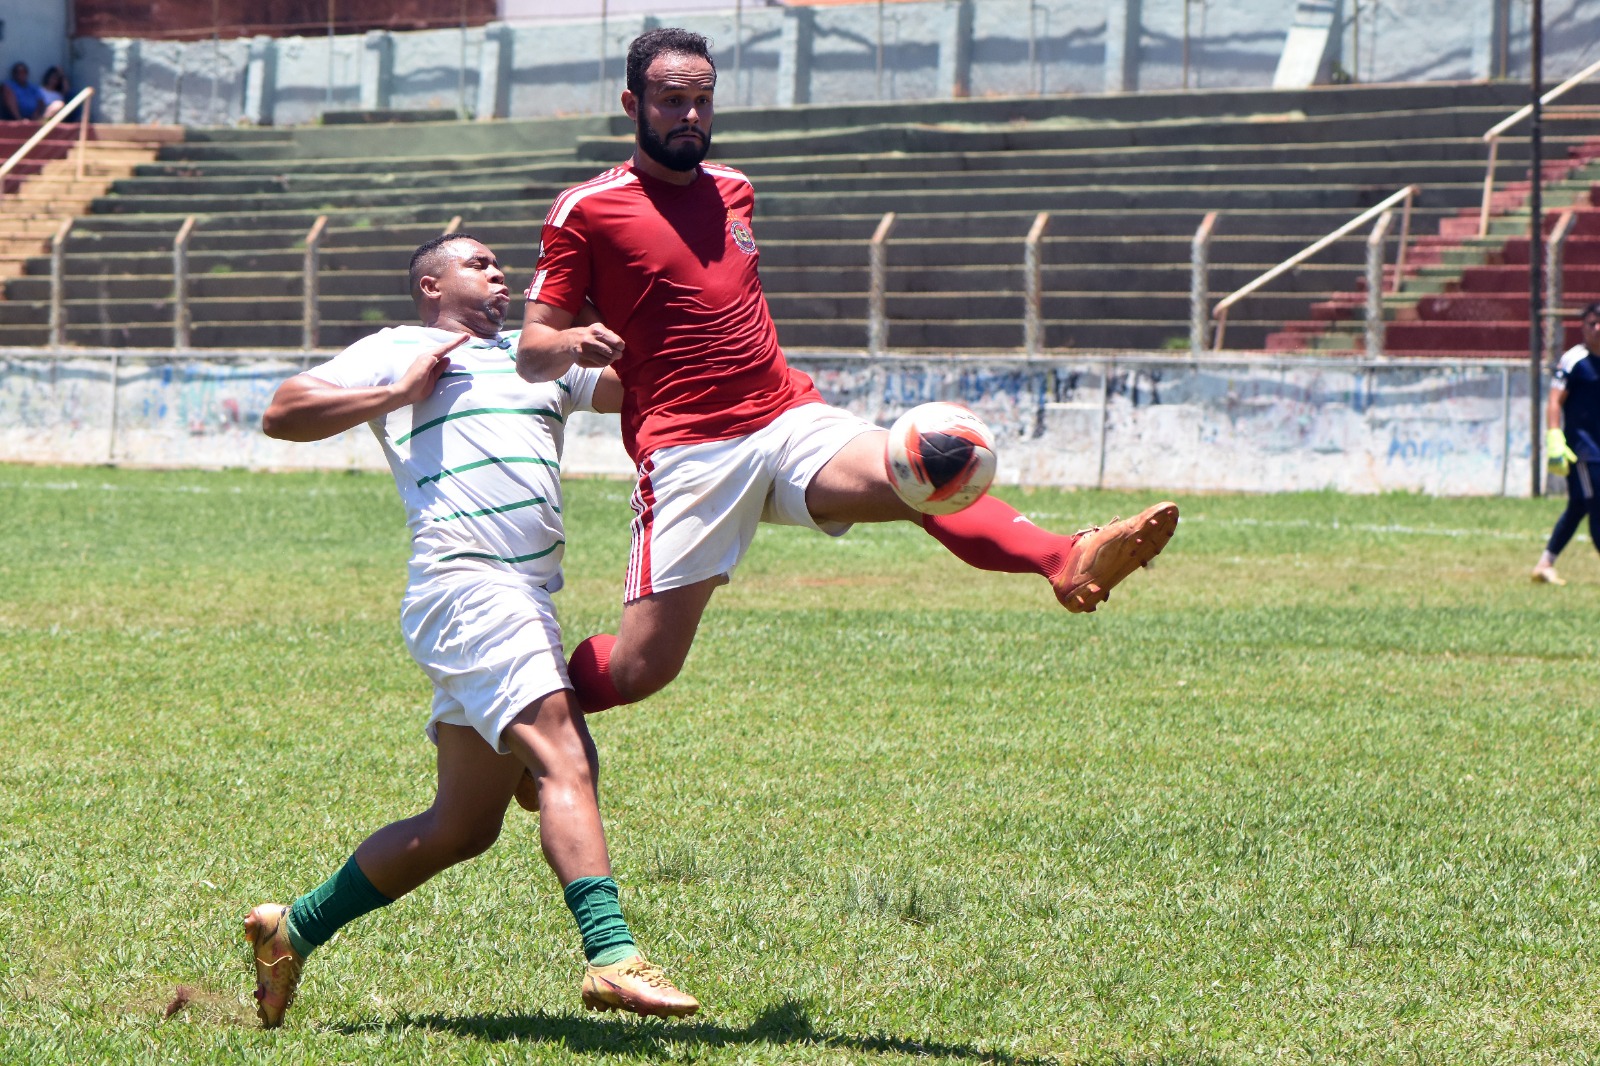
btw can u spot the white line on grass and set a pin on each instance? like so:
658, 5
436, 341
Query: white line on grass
1042, 517
192, 490
1390, 528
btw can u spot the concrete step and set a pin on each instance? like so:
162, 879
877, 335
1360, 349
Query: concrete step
1137, 334
559, 166
380, 310
806, 178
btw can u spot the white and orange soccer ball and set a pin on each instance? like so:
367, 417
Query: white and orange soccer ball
940, 457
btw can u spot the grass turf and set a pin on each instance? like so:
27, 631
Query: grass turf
1319, 787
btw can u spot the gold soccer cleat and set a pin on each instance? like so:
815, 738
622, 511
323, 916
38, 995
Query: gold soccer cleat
277, 966
636, 985
1103, 556
1545, 574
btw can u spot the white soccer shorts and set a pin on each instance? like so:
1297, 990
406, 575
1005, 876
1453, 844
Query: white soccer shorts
489, 641
696, 506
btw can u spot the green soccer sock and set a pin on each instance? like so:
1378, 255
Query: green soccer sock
341, 899
593, 902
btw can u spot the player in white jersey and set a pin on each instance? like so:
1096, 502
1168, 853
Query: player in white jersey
475, 452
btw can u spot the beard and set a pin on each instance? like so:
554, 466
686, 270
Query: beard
682, 154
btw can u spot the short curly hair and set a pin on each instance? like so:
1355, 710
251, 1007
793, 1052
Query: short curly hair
671, 39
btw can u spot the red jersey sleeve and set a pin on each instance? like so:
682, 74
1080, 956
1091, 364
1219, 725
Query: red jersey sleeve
561, 277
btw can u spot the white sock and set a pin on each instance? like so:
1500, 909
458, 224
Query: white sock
1547, 559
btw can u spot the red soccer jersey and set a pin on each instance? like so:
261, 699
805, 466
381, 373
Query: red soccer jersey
672, 270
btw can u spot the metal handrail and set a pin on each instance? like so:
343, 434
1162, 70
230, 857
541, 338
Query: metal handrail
1033, 285
1555, 257
58, 283
1407, 194
1199, 282
1494, 133
181, 319
1375, 326
310, 313
79, 101
877, 285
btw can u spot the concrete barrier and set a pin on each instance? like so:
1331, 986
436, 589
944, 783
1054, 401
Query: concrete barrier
1119, 420
851, 52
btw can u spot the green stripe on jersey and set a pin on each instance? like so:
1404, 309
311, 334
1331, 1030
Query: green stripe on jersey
477, 373
453, 471
502, 509
453, 415
501, 558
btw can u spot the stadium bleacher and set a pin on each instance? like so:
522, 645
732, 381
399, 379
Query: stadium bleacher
1126, 178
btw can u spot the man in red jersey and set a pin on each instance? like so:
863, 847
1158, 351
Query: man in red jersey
725, 433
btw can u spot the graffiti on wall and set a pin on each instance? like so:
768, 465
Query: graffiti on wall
1126, 423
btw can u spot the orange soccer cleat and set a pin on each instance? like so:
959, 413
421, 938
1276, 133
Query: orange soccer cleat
1103, 556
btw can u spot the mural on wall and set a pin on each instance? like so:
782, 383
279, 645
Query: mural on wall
1116, 423
1136, 423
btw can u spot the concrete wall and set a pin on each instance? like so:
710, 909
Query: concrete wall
1146, 422
933, 49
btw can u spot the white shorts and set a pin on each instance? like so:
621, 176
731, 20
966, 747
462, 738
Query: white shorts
697, 506
488, 640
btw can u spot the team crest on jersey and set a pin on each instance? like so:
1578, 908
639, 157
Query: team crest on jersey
741, 234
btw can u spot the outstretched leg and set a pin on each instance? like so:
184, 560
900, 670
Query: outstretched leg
648, 651
1082, 567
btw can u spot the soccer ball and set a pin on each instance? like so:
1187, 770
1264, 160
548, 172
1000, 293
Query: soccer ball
940, 457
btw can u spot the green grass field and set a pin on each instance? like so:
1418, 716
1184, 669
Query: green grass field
1319, 787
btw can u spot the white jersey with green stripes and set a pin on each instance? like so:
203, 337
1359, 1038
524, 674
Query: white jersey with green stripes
477, 463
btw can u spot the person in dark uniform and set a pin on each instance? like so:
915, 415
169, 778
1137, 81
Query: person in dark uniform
1572, 443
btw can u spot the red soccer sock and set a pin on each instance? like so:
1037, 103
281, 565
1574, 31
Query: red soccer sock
590, 672
991, 535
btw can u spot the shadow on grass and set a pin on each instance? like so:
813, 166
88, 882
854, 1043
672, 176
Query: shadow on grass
786, 1023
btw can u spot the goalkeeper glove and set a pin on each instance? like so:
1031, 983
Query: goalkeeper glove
1558, 456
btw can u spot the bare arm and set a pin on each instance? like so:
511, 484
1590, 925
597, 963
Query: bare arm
607, 398
551, 344
306, 408
1552, 409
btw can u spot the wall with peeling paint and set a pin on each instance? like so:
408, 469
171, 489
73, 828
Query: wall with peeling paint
1136, 422
768, 56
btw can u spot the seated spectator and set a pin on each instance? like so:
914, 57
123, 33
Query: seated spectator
18, 99
55, 89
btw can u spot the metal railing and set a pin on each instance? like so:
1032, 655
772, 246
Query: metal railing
181, 322
1555, 256
1374, 305
79, 103
310, 313
1405, 195
1200, 282
877, 286
58, 283
1498, 130
1033, 285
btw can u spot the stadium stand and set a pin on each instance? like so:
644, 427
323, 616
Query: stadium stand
45, 186
1126, 179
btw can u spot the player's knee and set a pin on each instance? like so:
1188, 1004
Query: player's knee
640, 678
457, 840
476, 839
